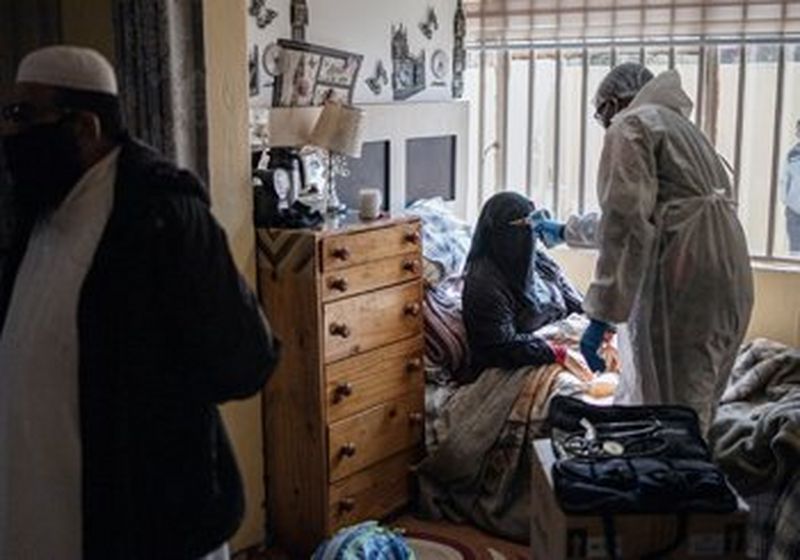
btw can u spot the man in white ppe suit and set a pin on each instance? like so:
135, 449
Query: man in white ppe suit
673, 264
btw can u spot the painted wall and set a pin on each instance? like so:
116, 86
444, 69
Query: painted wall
776, 313
229, 171
364, 27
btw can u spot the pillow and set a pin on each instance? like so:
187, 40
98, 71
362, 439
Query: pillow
445, 238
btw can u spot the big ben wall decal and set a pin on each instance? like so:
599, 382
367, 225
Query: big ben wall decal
408, 71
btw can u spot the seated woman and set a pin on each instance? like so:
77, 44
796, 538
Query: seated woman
511, 289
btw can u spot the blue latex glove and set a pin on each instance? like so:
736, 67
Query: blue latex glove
592, 339
551, 232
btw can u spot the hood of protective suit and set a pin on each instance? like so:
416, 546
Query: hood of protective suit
666, 90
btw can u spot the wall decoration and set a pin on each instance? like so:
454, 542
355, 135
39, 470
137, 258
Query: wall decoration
376, 82
459, 51
312, 74
430, 24
408, 71
264, 15
253, 65
440, 66
272, 61
299, 17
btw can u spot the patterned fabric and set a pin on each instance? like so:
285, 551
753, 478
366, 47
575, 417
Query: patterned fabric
365, 541
160, 67
445, 335
445, 238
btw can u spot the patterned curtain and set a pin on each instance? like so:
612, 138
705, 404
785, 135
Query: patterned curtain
161, 70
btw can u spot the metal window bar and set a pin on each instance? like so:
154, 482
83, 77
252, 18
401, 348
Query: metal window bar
737, 146
533, 49
531, 121
701, 86
557, 135
776, 150
503, 74
481, 126
584, 118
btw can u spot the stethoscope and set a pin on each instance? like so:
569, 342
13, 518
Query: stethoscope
615, 439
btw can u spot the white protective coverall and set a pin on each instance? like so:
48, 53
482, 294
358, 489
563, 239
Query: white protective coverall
673, 261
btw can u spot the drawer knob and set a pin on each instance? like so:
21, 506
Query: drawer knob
338, 283
416, 418
348, 449
411, 309
341, 253
339, 329
414, 365
342, 391
411, 266
411, 237
347, 504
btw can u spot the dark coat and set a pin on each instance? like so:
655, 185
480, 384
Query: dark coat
167, 330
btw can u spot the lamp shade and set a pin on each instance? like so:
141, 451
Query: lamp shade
339, 129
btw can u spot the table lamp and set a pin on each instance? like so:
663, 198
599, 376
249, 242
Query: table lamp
339, 130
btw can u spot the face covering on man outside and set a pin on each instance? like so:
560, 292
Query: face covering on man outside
44, 165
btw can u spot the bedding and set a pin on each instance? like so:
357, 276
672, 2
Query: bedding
755, 438
479, 437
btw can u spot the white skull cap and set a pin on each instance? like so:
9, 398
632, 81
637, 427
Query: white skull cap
69, 67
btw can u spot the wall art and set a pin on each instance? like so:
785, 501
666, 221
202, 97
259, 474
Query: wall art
299, 18
263, 14
430, 24
376, 82
459, 51
312, 74
253, 65
408, 71
440, 66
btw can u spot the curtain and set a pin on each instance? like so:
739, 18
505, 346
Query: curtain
507, 22
160, 66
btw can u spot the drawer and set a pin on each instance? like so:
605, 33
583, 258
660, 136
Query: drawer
373, 493
375, 434
343, 251
370, 276
370, 320
359, 383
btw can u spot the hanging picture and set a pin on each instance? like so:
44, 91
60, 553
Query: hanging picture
312, 75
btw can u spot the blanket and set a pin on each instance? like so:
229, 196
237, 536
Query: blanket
755, 438
478, 467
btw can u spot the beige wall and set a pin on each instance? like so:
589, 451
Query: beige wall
87, 23
776, 313
229, 169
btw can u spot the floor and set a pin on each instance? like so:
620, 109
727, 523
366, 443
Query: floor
437, 540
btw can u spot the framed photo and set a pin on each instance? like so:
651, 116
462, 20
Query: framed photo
313, 74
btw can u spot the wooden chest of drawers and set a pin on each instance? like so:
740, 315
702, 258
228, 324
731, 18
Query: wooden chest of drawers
344, 412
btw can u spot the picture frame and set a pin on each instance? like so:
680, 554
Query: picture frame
314, 74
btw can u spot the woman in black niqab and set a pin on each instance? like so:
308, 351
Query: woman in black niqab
511, 289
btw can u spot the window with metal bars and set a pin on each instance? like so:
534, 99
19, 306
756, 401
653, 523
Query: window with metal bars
533, 127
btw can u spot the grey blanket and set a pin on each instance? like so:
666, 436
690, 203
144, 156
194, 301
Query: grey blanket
756, 440
479, 467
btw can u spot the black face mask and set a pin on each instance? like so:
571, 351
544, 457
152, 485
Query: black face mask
44, 164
